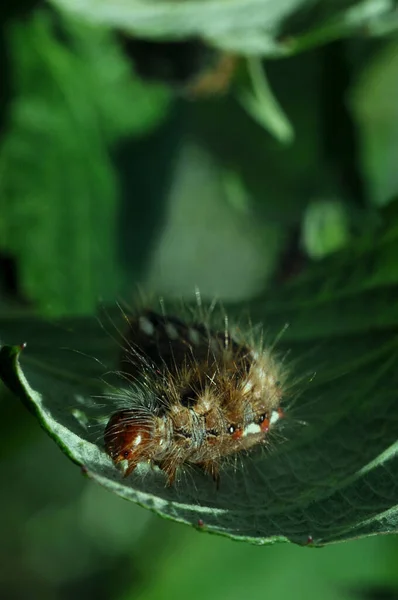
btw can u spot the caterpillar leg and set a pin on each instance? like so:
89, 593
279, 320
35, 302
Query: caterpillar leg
211, 468
130, 468
170, 470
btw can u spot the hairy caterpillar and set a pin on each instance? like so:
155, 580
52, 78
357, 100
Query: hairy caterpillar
202, 394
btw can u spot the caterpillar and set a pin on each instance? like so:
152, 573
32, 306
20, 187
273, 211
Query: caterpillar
199, 394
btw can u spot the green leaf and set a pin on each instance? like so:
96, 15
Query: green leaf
252, 23
60, 214
250, 27
334, 478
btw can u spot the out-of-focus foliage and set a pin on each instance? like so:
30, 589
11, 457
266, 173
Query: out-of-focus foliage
264, 27
58, 192
375, 108
108, 180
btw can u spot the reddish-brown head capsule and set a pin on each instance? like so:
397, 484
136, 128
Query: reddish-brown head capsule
128, 436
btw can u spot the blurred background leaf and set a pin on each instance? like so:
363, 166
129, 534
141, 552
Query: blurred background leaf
71, 103
243, 26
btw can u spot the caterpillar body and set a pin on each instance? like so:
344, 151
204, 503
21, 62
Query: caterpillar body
199, 394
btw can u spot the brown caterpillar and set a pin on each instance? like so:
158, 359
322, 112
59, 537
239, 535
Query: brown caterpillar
202, 395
